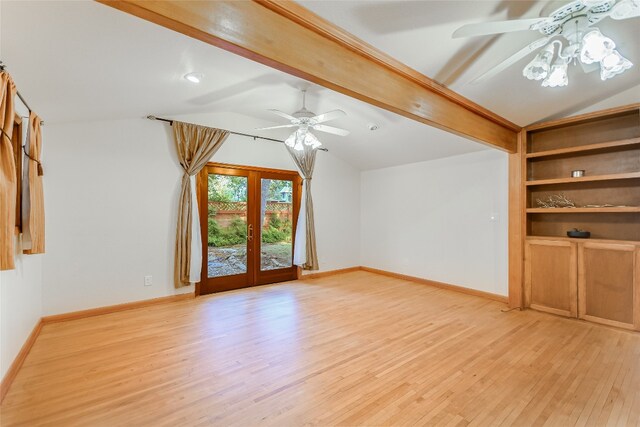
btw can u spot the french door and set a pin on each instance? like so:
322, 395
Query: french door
248, 218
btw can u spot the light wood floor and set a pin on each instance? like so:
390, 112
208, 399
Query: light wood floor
354, 349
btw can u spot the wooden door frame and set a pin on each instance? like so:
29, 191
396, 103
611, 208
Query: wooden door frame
202, 185
263, 278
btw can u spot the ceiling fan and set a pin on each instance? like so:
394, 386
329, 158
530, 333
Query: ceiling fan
574, 22
306, 121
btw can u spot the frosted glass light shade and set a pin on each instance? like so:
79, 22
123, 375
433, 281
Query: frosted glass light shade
595, 46
558, 74
311, 140
539, 67
613, 64
295, 141
300, 138
291, 140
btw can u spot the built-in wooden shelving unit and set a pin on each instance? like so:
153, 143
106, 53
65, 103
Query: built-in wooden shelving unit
606, 146
598, 278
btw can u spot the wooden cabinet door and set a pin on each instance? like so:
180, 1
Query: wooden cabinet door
551, 276
608, 275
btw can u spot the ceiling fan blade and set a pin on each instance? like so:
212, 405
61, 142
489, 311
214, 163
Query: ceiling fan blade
484, 28
512, 59
625, 9
331, 129
281, 114
277, 127
321, 118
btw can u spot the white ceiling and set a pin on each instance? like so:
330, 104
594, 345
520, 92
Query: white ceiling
418, 33
79, 61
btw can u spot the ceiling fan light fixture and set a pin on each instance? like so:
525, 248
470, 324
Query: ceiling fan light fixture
539, 67
572, 23
301, 138
595, 46
558, 75
613, 64
305, 121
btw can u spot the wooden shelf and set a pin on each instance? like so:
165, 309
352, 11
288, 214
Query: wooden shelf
590, 239
585, 148
625, 209
628, 175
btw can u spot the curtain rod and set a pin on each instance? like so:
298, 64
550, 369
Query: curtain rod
24, 101
150, 117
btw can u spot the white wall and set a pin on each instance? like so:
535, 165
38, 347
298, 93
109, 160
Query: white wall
20, 305
111, 195
111, 191
112, 186
433, 220
20, 296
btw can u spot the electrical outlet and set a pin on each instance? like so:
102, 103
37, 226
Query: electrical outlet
148, 280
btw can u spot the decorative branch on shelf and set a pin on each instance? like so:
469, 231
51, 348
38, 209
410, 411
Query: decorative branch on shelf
606, 205
556, 201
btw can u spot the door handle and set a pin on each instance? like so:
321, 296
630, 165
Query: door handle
250, 232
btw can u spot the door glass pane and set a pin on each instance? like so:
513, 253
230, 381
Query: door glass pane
227, 225
276, 218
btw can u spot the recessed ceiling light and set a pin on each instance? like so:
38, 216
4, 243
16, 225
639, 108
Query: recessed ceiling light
194, 77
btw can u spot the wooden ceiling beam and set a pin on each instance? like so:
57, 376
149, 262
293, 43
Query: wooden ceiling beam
290, 38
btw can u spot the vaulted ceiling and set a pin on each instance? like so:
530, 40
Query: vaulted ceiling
83, 61
418, 33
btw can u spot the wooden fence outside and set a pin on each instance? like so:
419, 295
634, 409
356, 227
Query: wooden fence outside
226, 212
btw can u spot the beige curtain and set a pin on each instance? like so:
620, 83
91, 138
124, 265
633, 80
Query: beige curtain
8, 179
305, 253
33, 195
195, 145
